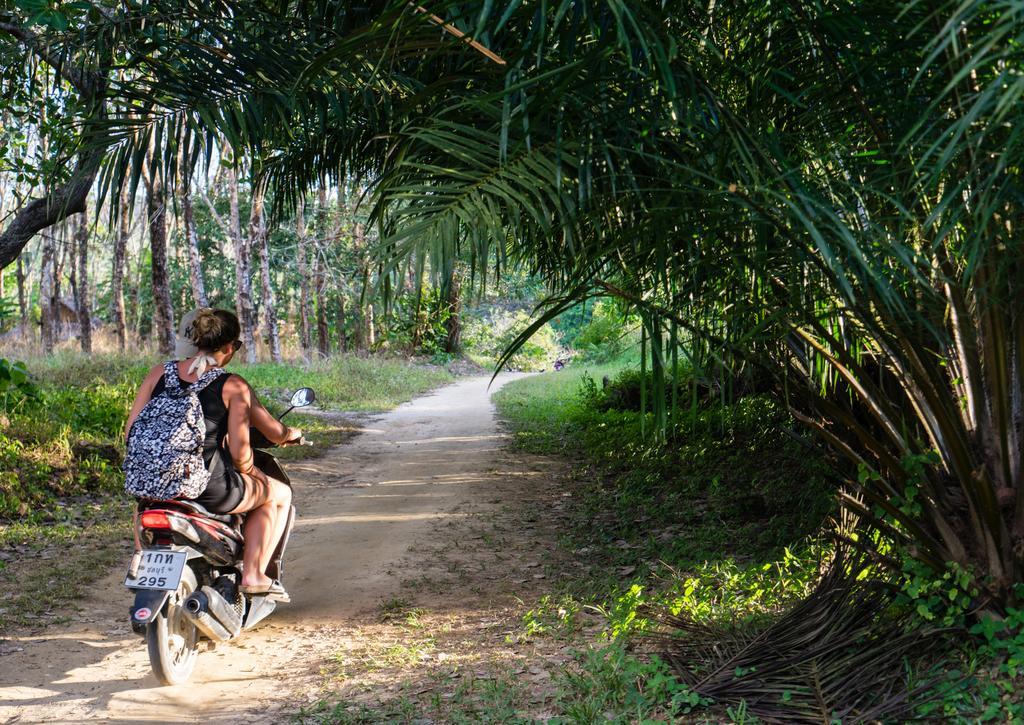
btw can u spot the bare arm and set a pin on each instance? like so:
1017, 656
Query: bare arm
268, 425
142, 397
238, 397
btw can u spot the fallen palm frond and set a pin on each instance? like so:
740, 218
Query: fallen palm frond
838, 655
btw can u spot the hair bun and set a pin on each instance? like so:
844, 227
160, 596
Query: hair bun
203, 324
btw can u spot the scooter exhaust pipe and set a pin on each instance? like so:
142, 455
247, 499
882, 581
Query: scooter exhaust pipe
196, 609
220, 603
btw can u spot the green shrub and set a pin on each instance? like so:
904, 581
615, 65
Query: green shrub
16, 387
488, 336
608, 334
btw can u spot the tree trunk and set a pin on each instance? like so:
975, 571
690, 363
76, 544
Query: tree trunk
117, 272
59, 202
320, 285
371, 332
453, 325
320, 275
140, 270
163, 312
365, 333
23, 298
48, 293
269, 303
342, 337
243, 269
82, 296
195, 267
305, 337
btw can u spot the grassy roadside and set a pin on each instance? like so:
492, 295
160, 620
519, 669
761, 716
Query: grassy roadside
718, 525
63, 519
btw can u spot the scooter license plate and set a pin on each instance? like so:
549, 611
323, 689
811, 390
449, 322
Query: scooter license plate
158, 570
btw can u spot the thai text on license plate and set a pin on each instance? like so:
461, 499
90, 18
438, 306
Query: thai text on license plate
158, 570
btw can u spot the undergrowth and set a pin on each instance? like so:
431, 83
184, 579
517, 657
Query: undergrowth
717, 521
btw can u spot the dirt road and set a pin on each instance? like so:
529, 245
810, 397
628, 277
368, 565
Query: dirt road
360, 507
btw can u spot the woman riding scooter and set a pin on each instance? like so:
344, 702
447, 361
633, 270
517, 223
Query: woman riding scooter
229, 408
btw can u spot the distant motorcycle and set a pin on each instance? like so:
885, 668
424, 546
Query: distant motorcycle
187, 567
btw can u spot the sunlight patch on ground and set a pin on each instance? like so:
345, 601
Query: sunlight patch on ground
307, 521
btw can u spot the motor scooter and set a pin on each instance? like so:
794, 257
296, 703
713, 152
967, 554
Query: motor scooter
187, 567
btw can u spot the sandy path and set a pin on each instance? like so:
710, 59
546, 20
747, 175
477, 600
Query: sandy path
360, 507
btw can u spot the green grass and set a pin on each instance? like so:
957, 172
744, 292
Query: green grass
347, 383
718, 524
63, 516
542, 410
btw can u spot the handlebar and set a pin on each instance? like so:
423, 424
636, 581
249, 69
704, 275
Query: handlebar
258, 440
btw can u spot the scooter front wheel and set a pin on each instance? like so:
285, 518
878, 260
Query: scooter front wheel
172, 640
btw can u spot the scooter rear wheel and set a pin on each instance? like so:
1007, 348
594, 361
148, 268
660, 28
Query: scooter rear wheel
172, 640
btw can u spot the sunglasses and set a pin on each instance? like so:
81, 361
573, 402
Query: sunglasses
237, 345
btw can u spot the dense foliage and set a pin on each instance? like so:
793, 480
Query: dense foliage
821, 197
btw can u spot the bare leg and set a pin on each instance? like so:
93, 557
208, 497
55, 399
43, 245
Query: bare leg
283, 499
263, 502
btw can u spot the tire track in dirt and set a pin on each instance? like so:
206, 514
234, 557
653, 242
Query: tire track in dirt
360, 507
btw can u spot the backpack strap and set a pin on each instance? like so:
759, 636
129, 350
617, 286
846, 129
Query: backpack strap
208, 377
171, 380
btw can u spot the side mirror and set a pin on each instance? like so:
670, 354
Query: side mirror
303, 397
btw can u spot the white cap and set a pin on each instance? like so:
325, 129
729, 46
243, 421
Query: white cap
183, 345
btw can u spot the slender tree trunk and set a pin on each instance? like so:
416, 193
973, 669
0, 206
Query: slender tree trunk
163, 314
365, 333
23, 298
371, 331
453, 325
342, 337
243, 269
195, 267
117, 272
320, 286
140, 271
82, 296
303, 268
320, 276
48, 293
269, 303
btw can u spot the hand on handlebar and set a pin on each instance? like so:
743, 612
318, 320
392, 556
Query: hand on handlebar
294, 438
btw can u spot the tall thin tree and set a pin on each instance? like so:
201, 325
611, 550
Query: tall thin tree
188, 227
320, 275
258, 236
302, 266
83, 298
118, 268
243, 267
156, 210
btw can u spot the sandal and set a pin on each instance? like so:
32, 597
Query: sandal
274, 591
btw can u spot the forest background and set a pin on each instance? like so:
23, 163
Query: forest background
815, 206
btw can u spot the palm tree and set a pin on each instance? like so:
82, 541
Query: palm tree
828, 193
